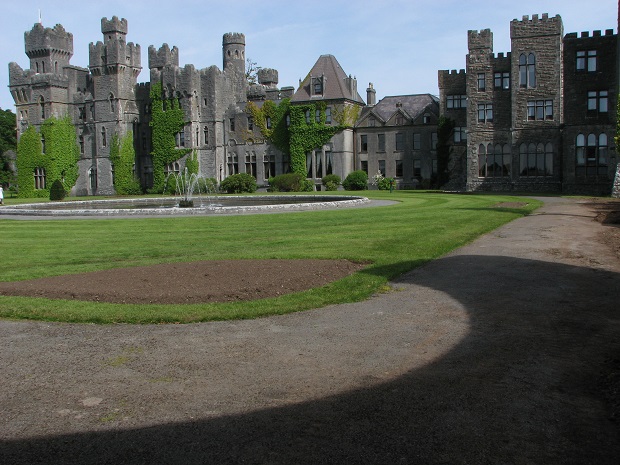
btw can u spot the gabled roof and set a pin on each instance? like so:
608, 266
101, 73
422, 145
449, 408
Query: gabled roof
336, 85
411, 106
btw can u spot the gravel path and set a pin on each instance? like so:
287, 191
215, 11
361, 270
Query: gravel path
503, 352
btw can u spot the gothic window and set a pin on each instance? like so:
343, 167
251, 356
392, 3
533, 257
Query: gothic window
485, 112
591, 158
42, 106
250, 163
502, 80
104, 138
205, 131
527, 70
197, 138
481, 81
180, 138
536, 159
250, 123
269, 162
309, 170
92, 177
39, 178
36, 64
233, 163
43, 144
329, 162
81, 145
317, 86
493, 160
317, 116
112, 103
539, 110
318, 163
268, 122
232, 124
172, 168
328, 115
307, 116
598, 101
43, 67
82, 112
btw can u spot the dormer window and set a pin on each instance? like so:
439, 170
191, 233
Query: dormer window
399, 121
426, 118
317, 86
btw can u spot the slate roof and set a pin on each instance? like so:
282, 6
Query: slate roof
412, 106
335, 86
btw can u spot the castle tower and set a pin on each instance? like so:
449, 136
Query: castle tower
233, 49
49, 49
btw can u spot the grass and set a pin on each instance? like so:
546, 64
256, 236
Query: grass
394, 239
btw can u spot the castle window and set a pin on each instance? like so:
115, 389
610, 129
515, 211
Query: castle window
426, 119
56, 67
288, 120
380, 142
382, 167
485, 112
329, 162
539, 110
92, 176
598, 101
42, 105
81, 145
82, 112
317, 86
586, 60
112, 103
434, 141
250, 123
591, 158
43, 145
317, 116
481, 81
104, 138
250, 163
372, 121
364, 166
502, 80
527, 70
269, 162
205, 132
43, 67
363, 143
493, 161
180, 138
399, 168
399, 121
268, 122
460, 134
456, 101
36, 64
417, 168
233, 164
400, 141
172, 168
307, 116
39, 178
536, 159
328, 115
232, 124
416, 142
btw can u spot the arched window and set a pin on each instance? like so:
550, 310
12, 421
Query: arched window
482, 161
591, 155
205, 131
43, 144
112, 103
81, 144
536, 159
42, 105
493, 160
36, 64
92, 177
39, 178
527, 70
104, 138
172, 168
43, 67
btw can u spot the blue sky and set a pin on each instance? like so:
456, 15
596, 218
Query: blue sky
398, 45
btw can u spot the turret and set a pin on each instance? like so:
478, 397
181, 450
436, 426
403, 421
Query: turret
49, 49
233, 49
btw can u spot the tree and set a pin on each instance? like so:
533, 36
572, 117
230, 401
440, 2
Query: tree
251, 71
8, 141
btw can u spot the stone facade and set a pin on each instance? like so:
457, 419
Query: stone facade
540, 118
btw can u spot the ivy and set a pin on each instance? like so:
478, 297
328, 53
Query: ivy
122, 157
167, 120
444, 130
300, 134
59, 160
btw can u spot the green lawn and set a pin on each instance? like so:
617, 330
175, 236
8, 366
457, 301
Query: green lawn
394, 239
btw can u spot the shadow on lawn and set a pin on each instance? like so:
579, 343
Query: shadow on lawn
525, 386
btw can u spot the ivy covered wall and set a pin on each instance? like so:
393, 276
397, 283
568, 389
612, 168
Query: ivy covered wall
122, 157
167, 120
58, 158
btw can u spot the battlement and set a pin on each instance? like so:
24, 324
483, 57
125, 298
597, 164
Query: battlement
480, 39
113, 25
41, 41
586, 34
451, 72
163, 57
452, 79
536, 25
232, 38
268, 77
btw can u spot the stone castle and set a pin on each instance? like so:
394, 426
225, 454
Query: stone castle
540, 118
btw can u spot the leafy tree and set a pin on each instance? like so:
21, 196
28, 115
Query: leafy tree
251, 71
356, 181
8, 141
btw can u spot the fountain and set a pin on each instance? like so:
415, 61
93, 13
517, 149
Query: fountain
187, 185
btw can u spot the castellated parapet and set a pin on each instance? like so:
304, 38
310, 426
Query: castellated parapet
41, 41
536, 26
163, 57
480, 40
114, 25
268, 77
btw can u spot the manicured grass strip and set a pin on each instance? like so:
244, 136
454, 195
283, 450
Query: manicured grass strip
395, 239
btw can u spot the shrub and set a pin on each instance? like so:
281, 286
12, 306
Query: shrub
306, 185
331, 182
356, 181
239, 183
207, 185
57, 191
289, 182
385, 184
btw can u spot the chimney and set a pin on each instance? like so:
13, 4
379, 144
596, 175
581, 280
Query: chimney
371, 95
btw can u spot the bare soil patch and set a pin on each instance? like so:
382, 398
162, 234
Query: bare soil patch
185, 283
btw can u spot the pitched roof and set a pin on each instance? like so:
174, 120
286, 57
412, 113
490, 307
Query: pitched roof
412, 106
336, 85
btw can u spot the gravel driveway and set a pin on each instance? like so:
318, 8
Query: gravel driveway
503, 352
